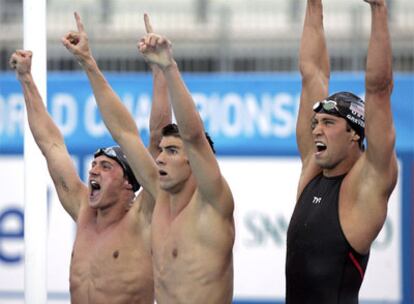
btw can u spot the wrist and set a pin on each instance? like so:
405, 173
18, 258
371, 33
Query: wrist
155, 69
88, 63
378, 5
379, 10
170, 66
25, 77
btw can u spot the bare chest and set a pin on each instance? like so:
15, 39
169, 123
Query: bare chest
189, 232
188, 254
109, 262
173, 237
110, 245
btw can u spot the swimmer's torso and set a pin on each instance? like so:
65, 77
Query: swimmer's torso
192, 255
112, 266
321, 266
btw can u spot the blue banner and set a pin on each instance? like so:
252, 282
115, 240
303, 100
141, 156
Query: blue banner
246, 114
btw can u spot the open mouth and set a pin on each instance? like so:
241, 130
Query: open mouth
95, 187
320, 146
162, 173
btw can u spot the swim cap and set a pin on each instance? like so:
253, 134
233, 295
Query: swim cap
345, 105
116, 154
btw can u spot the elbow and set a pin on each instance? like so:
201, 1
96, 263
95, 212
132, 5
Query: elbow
52, 148
122, 134
378, 84
122, 138
192, 136
306, 69
192, 130
311, 72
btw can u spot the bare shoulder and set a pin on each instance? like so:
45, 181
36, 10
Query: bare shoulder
309, 170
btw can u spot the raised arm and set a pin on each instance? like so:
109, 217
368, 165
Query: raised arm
371, 180
160, 109
379, 131
116, 117
71, 191
315, 71
211, 185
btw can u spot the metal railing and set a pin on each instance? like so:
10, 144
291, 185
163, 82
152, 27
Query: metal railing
212, 35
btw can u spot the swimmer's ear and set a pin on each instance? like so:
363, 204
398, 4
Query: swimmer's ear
355, 136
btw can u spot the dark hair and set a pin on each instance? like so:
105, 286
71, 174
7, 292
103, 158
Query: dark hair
172, 130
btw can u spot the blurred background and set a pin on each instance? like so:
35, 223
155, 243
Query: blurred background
240, 62
212, 35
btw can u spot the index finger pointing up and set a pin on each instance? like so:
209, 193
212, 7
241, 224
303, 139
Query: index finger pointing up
148, 26
79, 23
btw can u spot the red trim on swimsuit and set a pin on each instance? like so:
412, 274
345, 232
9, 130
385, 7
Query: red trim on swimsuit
356, 264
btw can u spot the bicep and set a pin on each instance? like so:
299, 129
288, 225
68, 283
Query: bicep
370, 186
314, 88
211, 185
70, 189
379, 130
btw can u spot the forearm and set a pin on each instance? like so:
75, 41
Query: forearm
315, 71
115, 115
379, 129
44, 130
313, 55
160, 110
379, 59
186, 114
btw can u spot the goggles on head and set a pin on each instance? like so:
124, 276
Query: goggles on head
109, 151
328, 106
353, 113
116, 154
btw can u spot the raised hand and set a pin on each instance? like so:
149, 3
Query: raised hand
156, 49
376, 2
77, 42
149, 29
148, 26
21, 62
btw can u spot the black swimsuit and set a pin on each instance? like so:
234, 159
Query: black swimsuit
321, 266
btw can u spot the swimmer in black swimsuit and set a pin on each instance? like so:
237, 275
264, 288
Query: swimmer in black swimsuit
343, 190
